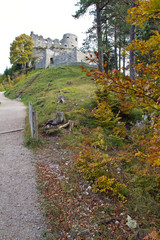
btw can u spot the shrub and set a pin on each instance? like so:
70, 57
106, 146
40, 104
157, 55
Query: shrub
99, 169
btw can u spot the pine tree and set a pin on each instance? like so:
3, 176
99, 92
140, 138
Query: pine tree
111, 28
99, 7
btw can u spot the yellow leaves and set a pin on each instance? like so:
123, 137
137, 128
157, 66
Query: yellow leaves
99, 139
149, 146
153, 8
104, 115
146, 86
138, 154
89, 73
94, 166
144, 147
106, 184
81, 111
120, 130
144, 10
21, 49
141, 155
126, 105
105, 65
157, 162
106, 158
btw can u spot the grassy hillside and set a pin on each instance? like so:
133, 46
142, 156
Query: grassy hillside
110, 157
42, 88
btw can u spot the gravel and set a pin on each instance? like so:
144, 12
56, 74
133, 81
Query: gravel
20, 210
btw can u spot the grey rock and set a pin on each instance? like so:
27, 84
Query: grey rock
84, 232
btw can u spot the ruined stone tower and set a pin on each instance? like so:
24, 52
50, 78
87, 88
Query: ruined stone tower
69, 41
51, 53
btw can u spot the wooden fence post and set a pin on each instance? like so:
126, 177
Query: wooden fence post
33, 119
35, 124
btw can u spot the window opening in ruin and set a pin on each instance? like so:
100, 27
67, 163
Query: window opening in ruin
72, 45
67, 37
75, 39
65, 45
51, 61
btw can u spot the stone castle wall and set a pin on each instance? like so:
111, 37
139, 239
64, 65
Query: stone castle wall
68, 41
58, 53
39, 41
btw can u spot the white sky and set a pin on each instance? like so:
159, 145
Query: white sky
49, 18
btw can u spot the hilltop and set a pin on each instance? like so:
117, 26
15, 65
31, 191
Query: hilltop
42, 87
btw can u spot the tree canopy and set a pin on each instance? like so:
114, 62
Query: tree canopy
111, 28
21, 50
144, 10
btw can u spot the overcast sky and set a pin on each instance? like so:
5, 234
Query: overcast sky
49, 18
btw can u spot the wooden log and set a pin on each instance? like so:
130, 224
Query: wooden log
69, 125
58, 120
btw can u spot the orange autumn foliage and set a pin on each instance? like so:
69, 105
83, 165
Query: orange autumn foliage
143, 149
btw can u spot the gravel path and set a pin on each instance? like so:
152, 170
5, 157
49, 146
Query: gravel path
20, 214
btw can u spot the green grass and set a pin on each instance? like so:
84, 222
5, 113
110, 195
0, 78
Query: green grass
44, 90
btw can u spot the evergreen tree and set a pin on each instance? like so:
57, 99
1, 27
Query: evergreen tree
99, 7
111, 28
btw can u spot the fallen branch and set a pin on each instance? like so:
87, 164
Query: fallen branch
11, 131
68, 125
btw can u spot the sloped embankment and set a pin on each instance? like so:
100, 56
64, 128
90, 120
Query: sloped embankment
42, 87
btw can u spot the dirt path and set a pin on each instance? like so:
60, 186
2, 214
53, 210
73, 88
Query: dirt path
20, 215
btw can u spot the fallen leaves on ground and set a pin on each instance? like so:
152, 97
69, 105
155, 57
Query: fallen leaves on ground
72, 210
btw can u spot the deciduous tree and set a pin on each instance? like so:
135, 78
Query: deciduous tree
21, 50
116, 97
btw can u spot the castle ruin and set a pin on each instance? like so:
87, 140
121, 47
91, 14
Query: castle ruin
54, 53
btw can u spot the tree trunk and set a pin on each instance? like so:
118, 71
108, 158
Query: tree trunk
124, 58
99, 36
106, 56
115, 46
120, 55
132, 55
